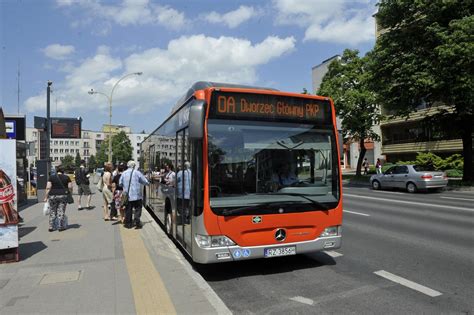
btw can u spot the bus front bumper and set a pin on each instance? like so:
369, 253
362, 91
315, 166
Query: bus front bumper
236, 253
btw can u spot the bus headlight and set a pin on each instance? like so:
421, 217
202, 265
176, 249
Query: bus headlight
331, 231
206, 241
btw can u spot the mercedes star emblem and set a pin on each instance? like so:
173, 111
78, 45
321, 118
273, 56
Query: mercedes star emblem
280, 235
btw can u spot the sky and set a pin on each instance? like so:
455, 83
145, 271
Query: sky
81, 45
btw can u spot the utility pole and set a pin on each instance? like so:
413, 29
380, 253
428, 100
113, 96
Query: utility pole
48, 120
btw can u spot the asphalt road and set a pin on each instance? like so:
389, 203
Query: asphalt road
402, 254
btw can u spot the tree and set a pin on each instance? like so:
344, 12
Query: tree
67, 163
346, 83
427, 56
122, 150
78, 159
92, 162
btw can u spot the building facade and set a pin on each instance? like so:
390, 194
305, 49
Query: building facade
87, 145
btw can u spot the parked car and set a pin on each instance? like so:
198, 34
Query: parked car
409, 177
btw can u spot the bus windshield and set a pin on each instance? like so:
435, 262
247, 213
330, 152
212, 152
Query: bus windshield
271, 167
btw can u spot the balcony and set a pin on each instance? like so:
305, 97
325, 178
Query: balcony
422, 146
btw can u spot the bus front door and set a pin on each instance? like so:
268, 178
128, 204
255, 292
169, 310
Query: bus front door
183, 189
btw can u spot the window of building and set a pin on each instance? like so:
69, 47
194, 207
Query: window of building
55, 150
66, 142
60, 142
56, 142
61, 150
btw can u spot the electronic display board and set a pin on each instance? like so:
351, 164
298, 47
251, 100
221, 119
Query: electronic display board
269, 107
66, 128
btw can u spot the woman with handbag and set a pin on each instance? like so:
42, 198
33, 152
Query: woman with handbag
107, 189
58, 196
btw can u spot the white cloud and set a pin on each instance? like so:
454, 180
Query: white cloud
347, 22
58, 51
233, 18
128, 12
167, 72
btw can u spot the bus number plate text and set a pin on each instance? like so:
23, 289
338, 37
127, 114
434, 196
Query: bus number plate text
280, 251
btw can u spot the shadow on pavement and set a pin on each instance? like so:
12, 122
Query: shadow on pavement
28, 250
245, 268
73, 226
25, 230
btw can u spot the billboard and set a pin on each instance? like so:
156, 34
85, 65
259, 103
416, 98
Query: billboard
8, 195
16, 127
66, 128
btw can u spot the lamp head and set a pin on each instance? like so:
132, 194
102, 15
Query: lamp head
91, 92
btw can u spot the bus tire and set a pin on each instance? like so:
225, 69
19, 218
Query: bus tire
168, 223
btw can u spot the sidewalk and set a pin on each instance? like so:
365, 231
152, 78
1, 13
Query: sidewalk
98, 267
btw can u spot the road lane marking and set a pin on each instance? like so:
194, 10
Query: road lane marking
455, 198
412, 203
333, 254
149, 292
358, 213
302, 300
407, 283
388, 192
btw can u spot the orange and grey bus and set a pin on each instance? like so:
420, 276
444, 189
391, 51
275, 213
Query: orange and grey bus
251, 173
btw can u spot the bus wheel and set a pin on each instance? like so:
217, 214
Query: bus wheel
168, 223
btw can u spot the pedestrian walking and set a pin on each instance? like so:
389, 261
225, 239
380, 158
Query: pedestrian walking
132, 181
365, 165
56, 195
82, 181
378, 166
107, 189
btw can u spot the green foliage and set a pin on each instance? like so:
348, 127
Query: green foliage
426, 56
92, 162
122, 150
346, 83
453, 173
67, 163
77, 160
454, 162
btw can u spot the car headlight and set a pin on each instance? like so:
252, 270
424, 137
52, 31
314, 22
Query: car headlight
331, 231
207, 241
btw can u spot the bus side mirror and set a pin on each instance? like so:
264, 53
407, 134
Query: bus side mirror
196, 119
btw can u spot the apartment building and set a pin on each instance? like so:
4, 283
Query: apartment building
87, 145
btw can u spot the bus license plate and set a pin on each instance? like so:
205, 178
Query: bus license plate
280, 251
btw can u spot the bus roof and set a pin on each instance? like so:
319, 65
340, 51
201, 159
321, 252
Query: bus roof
201, 85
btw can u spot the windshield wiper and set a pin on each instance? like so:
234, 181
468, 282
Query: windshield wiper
260, 206
305, 196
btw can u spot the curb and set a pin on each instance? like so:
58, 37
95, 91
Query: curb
207, 291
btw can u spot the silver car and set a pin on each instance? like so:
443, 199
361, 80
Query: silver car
409, 177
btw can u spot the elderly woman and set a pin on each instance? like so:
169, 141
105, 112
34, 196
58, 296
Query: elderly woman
59, 185
107, 189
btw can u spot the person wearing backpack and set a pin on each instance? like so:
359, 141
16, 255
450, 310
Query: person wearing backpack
82, 180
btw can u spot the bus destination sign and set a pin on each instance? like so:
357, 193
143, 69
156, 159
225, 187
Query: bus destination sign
269, 107
66, 128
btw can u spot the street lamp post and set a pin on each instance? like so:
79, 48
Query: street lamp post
109, 99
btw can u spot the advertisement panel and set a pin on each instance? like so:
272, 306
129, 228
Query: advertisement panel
8, 195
